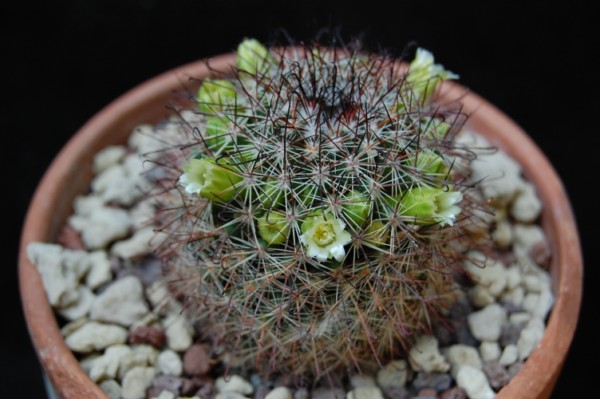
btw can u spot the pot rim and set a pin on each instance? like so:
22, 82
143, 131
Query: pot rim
535, 380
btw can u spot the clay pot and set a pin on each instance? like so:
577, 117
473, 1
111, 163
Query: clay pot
71, 171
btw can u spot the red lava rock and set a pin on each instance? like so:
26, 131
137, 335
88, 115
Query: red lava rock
541, 253
196, 360
150, 335
454, 393
427, 393
70, 238
496, 374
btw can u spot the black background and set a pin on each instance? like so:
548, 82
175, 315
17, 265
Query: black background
62, 61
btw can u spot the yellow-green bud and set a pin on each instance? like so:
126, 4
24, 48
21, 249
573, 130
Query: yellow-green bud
210, 180
377, 234
429, 205
216, 95
252, 56
273, 227
271, 194
425, 75
356, 207
429, 163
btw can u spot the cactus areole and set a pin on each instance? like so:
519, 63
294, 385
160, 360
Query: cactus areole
316, 208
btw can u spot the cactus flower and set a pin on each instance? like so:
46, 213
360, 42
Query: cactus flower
324, 237
209, 180
425, 75
428, 205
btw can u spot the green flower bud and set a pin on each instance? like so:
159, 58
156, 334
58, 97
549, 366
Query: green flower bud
216, 95
252, 56
271, 194
377, 234
210, 180
273, 228
428, 205
429, 163
217, 130
324, 237
425, 75
356, 207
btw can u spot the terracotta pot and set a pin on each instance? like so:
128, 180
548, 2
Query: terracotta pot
71, 172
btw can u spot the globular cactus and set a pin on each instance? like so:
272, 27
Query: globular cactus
314, 204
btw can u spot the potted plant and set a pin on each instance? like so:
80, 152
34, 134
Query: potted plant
313, 213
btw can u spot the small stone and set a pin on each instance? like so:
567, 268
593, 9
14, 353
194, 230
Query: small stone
161, 300
513, 277
196, 360
93, 336
393, 375
165, 395
111, 388
102, 226
526, 207
167, 383
365, 393
178, 331
100, 271
302, 393
437, 381
81, 307
474, 382
519, 318
539, 305
486, 324
121, 303
510, 334
107, 157
496, 375
136, 381
427, 393
461, 355
362, 380
454, 393
514, 297
108, 364
169, 363
530, 337
328, 393
205, 387
487, 272
86, 204
489, 351
541, 253
151, 335
480, 296
140, 244
499, 174
117, 186
233, 383
502, 235
509, 355
425, 356
525, 237
280, 393
230, 395
87, 362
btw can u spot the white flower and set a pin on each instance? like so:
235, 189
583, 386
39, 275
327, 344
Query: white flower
324, 237
426, 75
209, 180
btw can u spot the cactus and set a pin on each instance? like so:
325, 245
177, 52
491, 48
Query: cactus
313, 203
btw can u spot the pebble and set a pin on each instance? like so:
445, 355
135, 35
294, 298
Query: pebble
280, 393
486, 324
169, 363
513, 277
111, 155
196, 360
461, 355
111, 388
496, 374
93, 336
437, 381
525, 237
526, 207
454, 393
100, 271
489, 351
162, 383
510, 334
514, 297
165, 395
393, 375
488, 273
480, 296
474, 382
119, 185
139, 244
136, 381
530, 337
121, 303
108, 364
230, 395
302, 393
425, 356
427, 393
102, 226
233, 383
539, 305
161, 299
178, 331
509, 355
151, 335
365, 393
362, 380
81, 307
541, 253
502, 235
328, 393
519, 318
